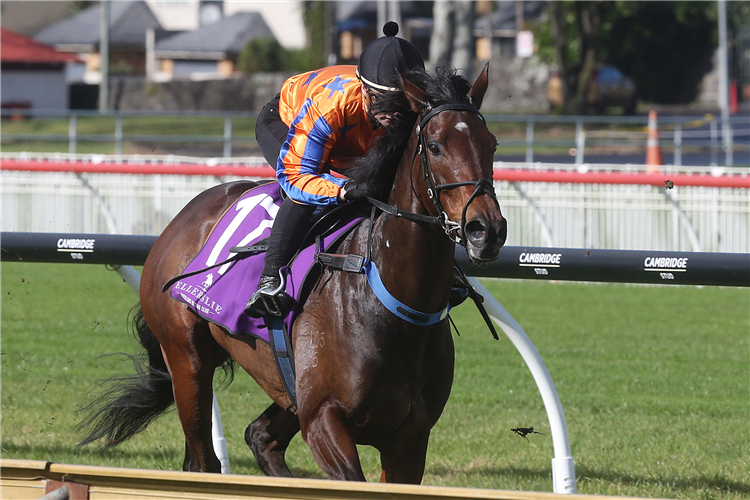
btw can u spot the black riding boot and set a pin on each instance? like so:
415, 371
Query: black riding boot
289, 228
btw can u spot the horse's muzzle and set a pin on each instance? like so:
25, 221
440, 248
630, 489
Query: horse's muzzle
484, 239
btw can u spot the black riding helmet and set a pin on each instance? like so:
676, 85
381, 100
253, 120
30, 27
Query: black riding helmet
384, 59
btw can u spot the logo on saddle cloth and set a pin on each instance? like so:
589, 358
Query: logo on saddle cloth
219, 294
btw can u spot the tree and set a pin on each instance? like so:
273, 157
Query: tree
77, 6
452, 40
313, 15
261, 55
665, 47
267, 55
576, 35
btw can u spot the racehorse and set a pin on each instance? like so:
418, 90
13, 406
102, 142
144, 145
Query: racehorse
364, 375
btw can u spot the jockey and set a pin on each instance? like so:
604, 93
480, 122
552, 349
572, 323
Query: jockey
317, 122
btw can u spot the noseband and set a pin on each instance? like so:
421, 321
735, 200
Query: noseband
455, 231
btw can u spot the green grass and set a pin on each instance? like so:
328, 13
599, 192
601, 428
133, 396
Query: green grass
242, 128
654, 381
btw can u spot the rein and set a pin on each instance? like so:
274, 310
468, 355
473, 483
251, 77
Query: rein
454, 230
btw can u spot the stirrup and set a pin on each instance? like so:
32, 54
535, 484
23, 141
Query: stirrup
269, 299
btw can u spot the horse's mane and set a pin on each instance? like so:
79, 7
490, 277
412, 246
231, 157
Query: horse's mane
378, 166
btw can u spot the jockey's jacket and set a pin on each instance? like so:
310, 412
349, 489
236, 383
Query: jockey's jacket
328, 127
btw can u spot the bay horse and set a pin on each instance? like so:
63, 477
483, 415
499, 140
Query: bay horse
364, 375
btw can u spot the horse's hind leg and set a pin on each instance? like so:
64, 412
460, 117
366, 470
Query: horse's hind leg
192, 361
268, 437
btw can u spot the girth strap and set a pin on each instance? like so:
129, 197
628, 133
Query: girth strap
282, 353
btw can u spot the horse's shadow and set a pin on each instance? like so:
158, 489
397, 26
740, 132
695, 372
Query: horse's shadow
98, 456
586, 475
685, 484
583, 473
94, 455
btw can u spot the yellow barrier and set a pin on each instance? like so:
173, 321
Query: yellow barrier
27, 479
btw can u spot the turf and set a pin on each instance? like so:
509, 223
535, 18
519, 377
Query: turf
654, 381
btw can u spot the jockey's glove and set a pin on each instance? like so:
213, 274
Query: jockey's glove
356, 190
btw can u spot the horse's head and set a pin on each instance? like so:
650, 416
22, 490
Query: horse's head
453, 173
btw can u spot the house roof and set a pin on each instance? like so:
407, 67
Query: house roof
227, 36
128, 23
21, 49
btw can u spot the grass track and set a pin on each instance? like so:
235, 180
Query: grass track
654, 381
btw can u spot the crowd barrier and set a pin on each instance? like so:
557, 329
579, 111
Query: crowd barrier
698, 209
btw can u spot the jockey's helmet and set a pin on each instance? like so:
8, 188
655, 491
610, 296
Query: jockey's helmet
384, 59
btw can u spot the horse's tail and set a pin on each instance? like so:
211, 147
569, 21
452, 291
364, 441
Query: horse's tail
131, 403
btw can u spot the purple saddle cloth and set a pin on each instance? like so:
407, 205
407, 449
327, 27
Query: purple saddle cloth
219, 294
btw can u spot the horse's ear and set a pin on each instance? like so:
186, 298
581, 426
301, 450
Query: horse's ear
416, 96
476, 94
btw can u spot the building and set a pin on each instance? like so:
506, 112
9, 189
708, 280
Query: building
497, 32
284, 18
129, 23
33, 74
211, 51
26, 18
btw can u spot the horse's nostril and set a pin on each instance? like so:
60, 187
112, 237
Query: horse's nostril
476, 232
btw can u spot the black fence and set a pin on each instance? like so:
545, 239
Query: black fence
564, 264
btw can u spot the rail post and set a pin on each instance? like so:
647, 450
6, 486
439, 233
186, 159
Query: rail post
227, 137
580, 142
529, 141
118, 135
72, 133
563, 465
678, 145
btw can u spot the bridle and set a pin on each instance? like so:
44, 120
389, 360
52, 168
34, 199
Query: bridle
455, 231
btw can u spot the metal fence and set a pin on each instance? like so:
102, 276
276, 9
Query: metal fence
627, 217
550, 214
529, 135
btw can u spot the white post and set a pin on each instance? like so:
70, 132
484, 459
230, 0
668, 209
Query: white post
118, 135
227, 137
529, 141
726, 133
563, 465
150, 55
580, 142
382, 17
72, 134
220, 442
129, 276
104, 55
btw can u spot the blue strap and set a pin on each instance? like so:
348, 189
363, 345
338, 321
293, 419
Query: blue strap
397, 307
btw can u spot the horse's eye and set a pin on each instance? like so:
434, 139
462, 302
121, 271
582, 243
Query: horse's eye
434, 148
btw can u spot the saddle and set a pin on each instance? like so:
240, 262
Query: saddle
220, 278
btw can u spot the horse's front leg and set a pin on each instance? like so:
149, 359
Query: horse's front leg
332, 443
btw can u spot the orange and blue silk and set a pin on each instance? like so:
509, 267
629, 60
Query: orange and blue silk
328, 127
